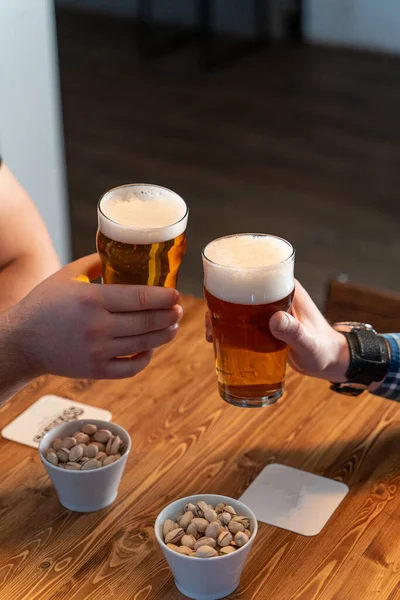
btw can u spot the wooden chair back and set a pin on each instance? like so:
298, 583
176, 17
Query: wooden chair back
353, 302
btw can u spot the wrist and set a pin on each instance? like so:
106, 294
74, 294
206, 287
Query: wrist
340, 359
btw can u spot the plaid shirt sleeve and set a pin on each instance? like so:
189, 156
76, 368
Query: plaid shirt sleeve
390, 386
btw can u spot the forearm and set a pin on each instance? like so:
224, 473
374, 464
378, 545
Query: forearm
14, 372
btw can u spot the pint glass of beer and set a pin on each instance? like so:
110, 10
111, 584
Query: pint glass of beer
247, 278
141, 237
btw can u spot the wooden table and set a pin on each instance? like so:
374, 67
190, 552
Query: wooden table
187, 440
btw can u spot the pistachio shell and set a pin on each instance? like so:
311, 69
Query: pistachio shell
190, 506
174, 536
234, 527
192, 530
225, 538
227, 550
248, 533
210, 515
220, 507
213, 530
168, 526
201, 524
69, 442
201, 507
188, 541
243, 520
173, 547
52, 458
224, 518
185, 519
230, 510
206, 552
184, 550
241, 538
205, 541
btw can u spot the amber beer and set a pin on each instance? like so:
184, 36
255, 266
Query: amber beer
247, 278
141, 236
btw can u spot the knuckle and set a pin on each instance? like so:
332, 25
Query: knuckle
147, 319
142, 296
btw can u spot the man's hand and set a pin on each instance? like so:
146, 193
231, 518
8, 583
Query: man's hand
68, 327
315, 348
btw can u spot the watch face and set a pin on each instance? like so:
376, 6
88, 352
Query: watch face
349, 326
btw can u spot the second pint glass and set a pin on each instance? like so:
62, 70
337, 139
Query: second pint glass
247, 278
141, 237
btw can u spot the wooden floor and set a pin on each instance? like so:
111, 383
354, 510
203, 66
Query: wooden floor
299, 142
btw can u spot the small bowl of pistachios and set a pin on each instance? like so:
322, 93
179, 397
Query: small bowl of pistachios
206, 540
85, 460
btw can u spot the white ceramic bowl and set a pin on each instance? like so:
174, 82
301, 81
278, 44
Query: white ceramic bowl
86, 491
206, 578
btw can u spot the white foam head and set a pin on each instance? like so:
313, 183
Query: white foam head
142, 214
249, 268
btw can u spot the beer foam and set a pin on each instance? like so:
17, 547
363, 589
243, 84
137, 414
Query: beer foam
249, 269
142, 214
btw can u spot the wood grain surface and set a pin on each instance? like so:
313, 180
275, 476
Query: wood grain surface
187, 440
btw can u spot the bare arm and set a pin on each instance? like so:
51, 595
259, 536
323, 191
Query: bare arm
27, 255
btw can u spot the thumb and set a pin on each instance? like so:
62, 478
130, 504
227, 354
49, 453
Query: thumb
288, 329
86, 268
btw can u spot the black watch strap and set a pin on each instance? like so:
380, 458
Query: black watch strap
369, 357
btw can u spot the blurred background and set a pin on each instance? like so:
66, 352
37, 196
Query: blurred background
277, 116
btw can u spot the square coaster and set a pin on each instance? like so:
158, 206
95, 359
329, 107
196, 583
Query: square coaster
44, 414
293, 499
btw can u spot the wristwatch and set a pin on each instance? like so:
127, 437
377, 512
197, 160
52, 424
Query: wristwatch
369, 357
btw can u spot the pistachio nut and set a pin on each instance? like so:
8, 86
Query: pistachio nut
230, 510
205, 541
69, 442
168, 526
57, 444
81, 438
91, 464
201, 524
248, 533
220, 507
200, 509
243, 520
173, 547
188, 541
63, 454
241, 538
90, 451
224, 517
108, 460
89, 428
174, 536
213, 530
102, 436
234, 527
225, 538
192, 530
206, 552
184, 550
76, 453
52, 458
227, 550
190, 506
210, 515
72, 466
185, 519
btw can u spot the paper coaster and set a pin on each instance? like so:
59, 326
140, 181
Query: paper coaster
294, 500
44, 414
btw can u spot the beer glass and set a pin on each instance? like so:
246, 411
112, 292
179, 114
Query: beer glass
141, 236
247, 278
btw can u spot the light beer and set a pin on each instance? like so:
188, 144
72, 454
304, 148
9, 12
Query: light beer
247, 278
141, 237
